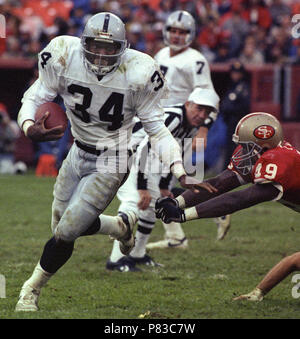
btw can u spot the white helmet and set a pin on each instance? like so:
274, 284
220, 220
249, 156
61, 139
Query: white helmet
106, 31
205, 97
182, 20
255, 132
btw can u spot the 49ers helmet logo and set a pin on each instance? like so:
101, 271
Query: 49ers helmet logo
264, 132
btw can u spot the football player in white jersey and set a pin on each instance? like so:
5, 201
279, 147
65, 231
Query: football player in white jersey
104, 84
184, 69
145, 182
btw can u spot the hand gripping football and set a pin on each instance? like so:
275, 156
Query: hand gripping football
56, 117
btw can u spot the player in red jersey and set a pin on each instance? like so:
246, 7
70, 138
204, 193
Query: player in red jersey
262, 158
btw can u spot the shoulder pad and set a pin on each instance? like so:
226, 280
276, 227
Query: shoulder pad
61, 49
271, 155
138, 67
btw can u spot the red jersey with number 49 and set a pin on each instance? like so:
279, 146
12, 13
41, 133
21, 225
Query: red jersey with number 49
281, 166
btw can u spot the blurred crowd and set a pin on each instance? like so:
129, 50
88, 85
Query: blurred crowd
253, 31
9, 133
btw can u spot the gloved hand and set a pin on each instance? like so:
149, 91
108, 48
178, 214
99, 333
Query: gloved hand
167, 210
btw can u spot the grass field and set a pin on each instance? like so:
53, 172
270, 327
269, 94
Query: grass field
197, 283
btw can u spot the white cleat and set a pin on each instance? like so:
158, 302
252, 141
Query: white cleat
127, 241
255, 295
28, 299
223, 224
168, 243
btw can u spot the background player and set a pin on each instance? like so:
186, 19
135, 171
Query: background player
185, 69
142, 188
104, 85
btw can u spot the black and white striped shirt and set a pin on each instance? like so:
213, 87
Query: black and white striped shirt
176, 122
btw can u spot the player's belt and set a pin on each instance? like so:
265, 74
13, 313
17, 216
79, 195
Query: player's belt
95, 151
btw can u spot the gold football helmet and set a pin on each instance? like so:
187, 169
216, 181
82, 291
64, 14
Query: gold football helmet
255, 132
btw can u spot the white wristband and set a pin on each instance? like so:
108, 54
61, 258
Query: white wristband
26, 125
191, 213
181, 202
178, 170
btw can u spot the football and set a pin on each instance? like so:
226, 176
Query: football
56, 117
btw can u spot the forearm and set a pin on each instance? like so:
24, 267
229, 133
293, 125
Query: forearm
26, 115
224, 182
36, 95
231, 202
222, 205
280, 272
29, 105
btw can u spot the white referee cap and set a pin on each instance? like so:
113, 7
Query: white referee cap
206, 97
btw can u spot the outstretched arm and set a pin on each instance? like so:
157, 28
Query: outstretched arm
224, 182
231, 202
279, 272
226, 203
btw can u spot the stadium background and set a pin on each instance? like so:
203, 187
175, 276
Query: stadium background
198, 283
224, 29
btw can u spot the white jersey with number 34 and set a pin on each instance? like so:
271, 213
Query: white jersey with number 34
98, 108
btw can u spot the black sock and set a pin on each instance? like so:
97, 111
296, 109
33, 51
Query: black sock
56, 254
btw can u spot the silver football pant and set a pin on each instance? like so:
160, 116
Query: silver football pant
81, 193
